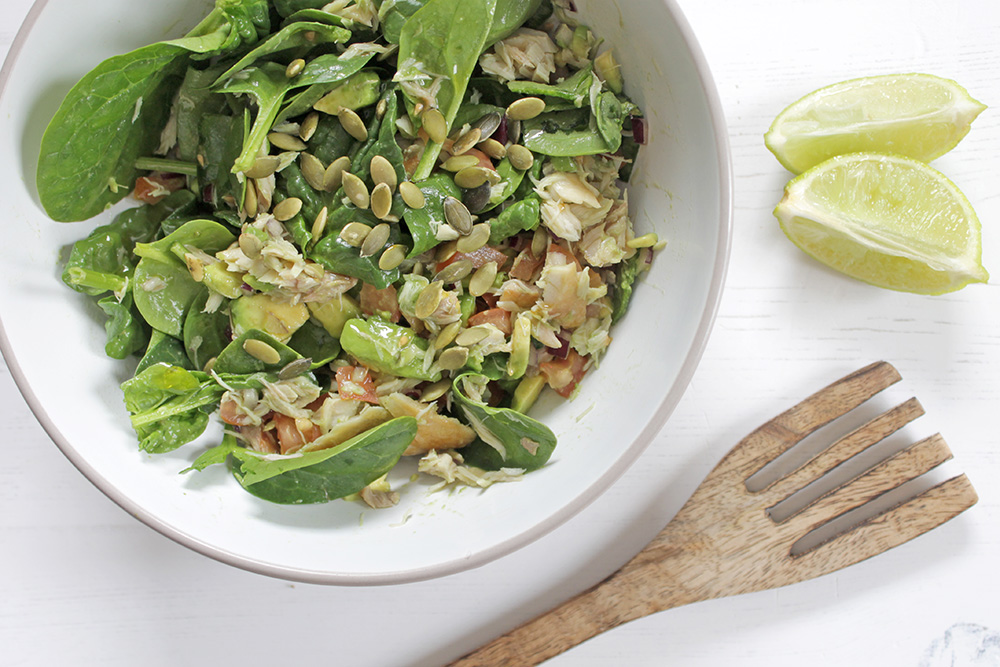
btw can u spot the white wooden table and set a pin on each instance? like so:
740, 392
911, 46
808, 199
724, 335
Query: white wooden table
82, 583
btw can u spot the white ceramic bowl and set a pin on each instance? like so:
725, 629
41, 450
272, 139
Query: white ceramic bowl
53, 338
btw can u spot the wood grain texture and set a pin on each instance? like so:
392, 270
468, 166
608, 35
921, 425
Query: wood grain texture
724, 542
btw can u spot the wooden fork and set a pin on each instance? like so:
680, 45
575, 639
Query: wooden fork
725, 541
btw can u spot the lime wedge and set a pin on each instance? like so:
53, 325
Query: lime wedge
887, 220
918, 115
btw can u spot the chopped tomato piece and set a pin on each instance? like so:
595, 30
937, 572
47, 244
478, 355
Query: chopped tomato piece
498, 317
526, 265
153, 188
564, 375
354, 383
293, 433
383, 302
479, 258
230, 413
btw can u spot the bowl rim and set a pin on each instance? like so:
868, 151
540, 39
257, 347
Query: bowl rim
724, 165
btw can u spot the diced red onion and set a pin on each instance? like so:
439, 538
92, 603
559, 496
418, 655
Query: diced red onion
639, 130
501, 132
563, 351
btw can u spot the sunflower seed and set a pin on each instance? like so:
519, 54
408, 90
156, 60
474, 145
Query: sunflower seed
520, 157
526, 108
352, 122
261, 351
488, 124
295, 68
382, 171
472, 177
453, 358
308, 127
392, 257
356, 190
319, 224
539, 242
457, 215
333, 177
429, 299
381, 200
263, 166
435, 125
465, 142
477, 238
435, 391
375, 240
460, 162
493, 148
470, 337
447, 335
477, 199
355, 233
412, 195
287, 209
286, 142
483, 279
455, 272
295, 368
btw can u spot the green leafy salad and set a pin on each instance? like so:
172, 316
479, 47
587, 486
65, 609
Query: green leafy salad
368, 230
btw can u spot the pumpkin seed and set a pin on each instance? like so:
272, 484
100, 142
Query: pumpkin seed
460, 162
456, 215
381, 108
429, 299
453, 358
355, 233
293, 369
251, 245
435, 391
261, 351
493, 148
470, 337
392, 257
287, 209
488, 124
319, 224
382, 171
295, 68
375, 240
477, 238
381, 201
435, 125
312, 170
455, 272
412, 195
263, 166
465, 142
356, 190
352, 122
472, 177
446, 251
526, 108
286, 142
520, 347
447, 335
520, 157
477, 199
250, 201
483, 279
645, 241
333, 177
308, 127
539, 242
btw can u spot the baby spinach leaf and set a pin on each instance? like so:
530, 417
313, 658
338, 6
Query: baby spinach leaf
286, 8
610, 116
575, 89
194, 100
235, 360
423, 223
338, 256
206, 334
521, 216
325, 74
169, 406
508, 439
216, 455
163, 292
321, 476
297, 37
564, 143
267, 84
627, 273
205, 235
221, 143
164, 349
387, 348
509, 16
312, 341
394, 14
126, 330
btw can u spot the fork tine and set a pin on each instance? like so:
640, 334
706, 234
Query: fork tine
895, 526
850, 445
901, 467
782, 433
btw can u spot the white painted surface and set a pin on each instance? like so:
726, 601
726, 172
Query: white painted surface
82, 583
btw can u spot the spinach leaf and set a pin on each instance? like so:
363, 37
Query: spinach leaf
610, 116
439, 47
321, 476
163, 293
164, 349
127, 332
509, 16
575, 89
206, 235
338, 256
564, 143
521, 216
298, 37
235, 360
267, 84
387, 348
508, 439
222, 142
195, 99
169, 406
626, 273
423, 223
322, 76
206, 334
394, 14
312, 341
286, 8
